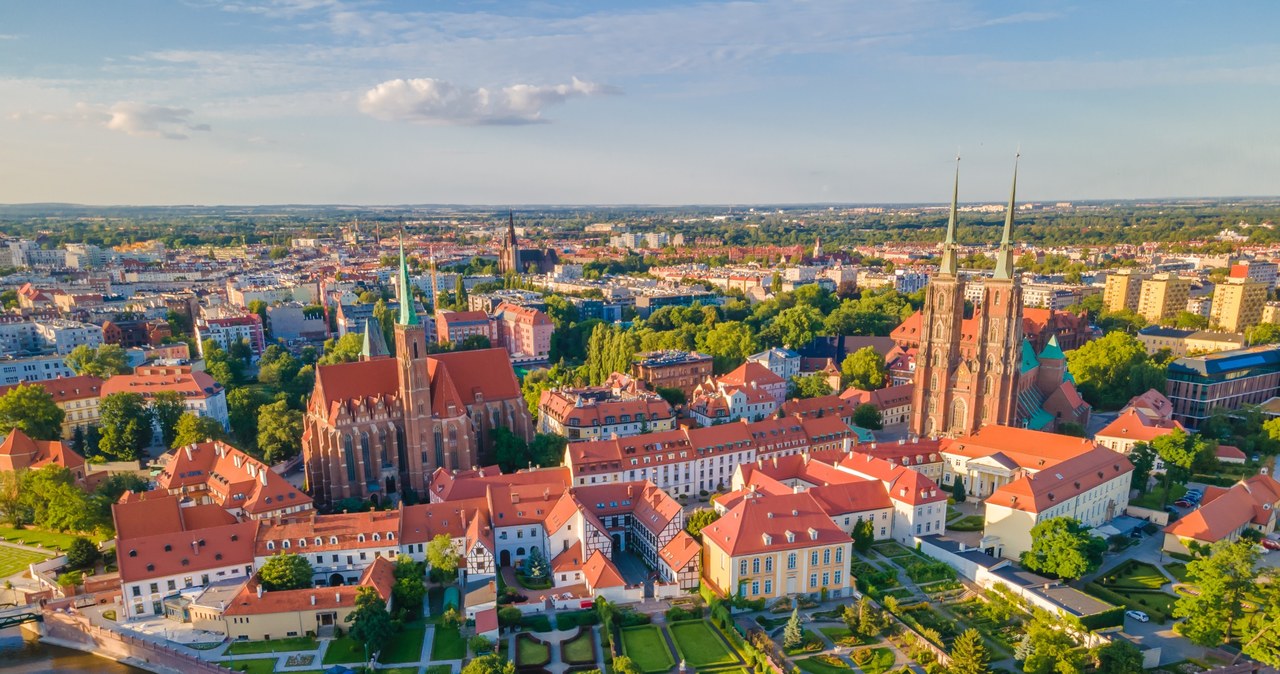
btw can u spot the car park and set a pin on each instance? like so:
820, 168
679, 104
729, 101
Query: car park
1138, 615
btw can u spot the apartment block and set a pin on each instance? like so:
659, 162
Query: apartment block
1123, 290
1237, 304
1163, 296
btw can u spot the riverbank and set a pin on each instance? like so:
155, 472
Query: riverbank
22, 652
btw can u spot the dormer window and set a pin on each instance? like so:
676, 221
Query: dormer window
285, 545
360, 538
333, 540
391, 535
813, 534
791, 537
377, 537
319, 541
271, 545
302, 542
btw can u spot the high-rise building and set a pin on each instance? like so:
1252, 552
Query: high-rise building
1123, 289
1237, 304
1163, 296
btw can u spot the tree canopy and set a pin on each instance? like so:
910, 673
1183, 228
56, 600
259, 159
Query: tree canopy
1223, 578
1113, 369
864, 369
126, 426
31, 409
285, 571
1062, 547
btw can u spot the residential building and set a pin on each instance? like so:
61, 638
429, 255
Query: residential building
18, 452
63, 336
454, 327
783, 362
919, 506
33, 368
620, 408
77, 397
1181, 342
1163, 296
1226, 380
135, 333
999, 455
1123, 290
1132, 426
1092, 487
339, 546
1237, 304
217, 473
892, 402
770, 546
228, 331
525, 332
683, 370
1224, 514
1265, 272
201, 394
749, 392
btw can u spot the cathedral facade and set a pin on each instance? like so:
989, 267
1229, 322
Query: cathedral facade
512, 259
975, 371
377, 428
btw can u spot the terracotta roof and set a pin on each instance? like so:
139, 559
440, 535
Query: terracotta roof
1065, 480
467, 484
521, 314
487, 621
422, 522
65, 389
1033, 450
679, 551
361, 379
569, 560
600, 573
749, 372
883, 399
231, 478
149, 381
1134, 425
323, 533
903, 484
571, 408
380, 575
18, 452
137, 515
484, 371
174, 553
1230, 452
763, 522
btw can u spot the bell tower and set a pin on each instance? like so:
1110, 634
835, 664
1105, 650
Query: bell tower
999, 346
417, 455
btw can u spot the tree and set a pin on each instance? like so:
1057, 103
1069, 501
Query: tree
792, 635
104, 362
167, 407
385, 319
1178, 450
279, 432
460, 294
867, 416
509, 449
193, 428
344, 350
535, 564
547, 449
474, 342
1143, 458
864, 535
441, 555
51, 499
1048, 649
1117, 657
958, 491
729, 343
82, 554
408, 591
794, 327
1104, 369
672, 395
370, 623
1263, 333
1223, 578
126, 426
1264, 644
242, 412
699, 519
13, 508
968, 654
285, 571
1063, 548
497, 664
810, 386
31, 409
864, 369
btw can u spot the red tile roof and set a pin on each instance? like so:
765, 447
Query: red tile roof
65, 389
1033, 450
762, 523
149, 381
1065, 480
600, 573
231, 478
323, 533
174, 553
1139, 427
380, 575
422, 522
19, 452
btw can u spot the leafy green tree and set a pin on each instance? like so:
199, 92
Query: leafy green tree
193, 428
1117, 657
699, 519
109, 492
126, 426
14, 509
1178, 450
104, 362
810, 386
969, 655
371, 624
1189, 321
1062, 547
511, 451
242, 413
31, 409
496, 664
343, 350
82, 554
792, 634
168, 407
474, 342
864, 535
1108, 370
729, 343
547, 449
285, 571
673, 396
1262, 642
408, 592
867, 416
442, 556
1223, 578
1049, 649
1263, 333
279, 432
54, 501
864, 369
793, 328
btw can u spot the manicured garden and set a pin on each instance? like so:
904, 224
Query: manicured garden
699, 645
52, 540
823, 664
1177, 570
13, 560
579, 650
531, 652
272, 646
930, 623
967, 523
1135, 585
892, 549
406, 646
873, 660
1136, 575
343, 650
647, 648
447, 644
842, 636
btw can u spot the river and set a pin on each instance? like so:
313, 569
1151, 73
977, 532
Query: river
21, 653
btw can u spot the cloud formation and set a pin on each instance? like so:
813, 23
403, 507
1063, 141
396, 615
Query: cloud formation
129, 117
432, 101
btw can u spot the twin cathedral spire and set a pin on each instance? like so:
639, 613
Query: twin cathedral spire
1004, 256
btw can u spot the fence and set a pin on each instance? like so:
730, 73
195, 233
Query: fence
74, 631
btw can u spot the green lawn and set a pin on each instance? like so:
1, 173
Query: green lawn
45, 539
405, 646
13, 560
699, 645
448, 644
816, 666
401, 670
968, 523
1177, 570
266, 666
1135, 575
647, 649
530, 652
880, 662
343, 650
580, 649
892, 549
838, 634
1154, 498
439, 669
273, 646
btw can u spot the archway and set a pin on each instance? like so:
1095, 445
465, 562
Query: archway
505, 558
336, 579
618, 543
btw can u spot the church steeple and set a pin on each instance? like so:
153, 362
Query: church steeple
949, 264
375, 345
407, 315
1004, 257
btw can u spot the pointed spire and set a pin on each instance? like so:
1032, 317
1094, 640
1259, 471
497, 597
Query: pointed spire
375, 345
949, 264
407, 315
1004, 257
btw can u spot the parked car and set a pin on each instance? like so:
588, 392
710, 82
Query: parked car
1271, 544
1138, 615
1182, 503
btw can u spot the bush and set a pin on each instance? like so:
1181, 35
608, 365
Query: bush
571, 619
631, 618
677, 613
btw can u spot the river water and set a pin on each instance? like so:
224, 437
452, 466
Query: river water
20, 653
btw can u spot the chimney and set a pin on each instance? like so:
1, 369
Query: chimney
337, 597
259, 591
313, 600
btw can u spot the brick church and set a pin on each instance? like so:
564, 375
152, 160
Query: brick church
982, 370
377, 428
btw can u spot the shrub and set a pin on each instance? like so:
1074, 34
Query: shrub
677, 613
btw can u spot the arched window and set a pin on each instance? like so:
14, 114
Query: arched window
959, 413
369, 474
348, 457
271, 545
986, 386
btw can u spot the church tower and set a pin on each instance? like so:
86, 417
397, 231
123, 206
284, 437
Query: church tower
509, 260
417, 448
933, 409
999, 331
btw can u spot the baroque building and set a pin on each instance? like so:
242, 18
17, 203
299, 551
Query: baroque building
377, 428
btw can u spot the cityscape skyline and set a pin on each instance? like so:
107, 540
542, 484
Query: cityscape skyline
324, 101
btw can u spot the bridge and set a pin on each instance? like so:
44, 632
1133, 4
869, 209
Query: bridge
17, 615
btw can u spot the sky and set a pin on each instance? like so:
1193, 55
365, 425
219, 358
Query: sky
658, 102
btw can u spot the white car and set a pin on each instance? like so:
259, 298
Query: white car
1138, 615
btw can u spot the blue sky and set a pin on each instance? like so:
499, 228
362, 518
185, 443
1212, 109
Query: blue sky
354, 101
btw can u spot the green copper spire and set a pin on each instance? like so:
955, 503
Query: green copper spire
374, 345
1004, 257
949, 264
407, 315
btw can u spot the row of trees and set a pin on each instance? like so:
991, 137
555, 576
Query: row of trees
50, 498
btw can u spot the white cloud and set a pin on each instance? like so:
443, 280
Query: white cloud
433, 101
129, 117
